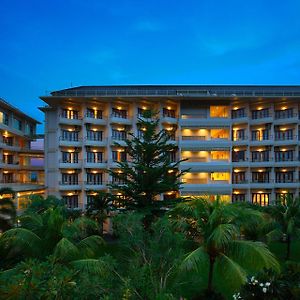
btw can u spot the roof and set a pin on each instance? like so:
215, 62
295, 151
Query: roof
181, 90
12, 108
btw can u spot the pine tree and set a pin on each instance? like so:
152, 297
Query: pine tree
151, 169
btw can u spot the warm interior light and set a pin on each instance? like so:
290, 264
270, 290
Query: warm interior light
260, 108
120, 129
283, 170
260, 170
94, 172
260, 192
260, 150
236, 192
283, 108
236, 170
169, 107
170, 171
283, 150
70, 194
70, 108
284, 192
119, 107
144, 107
283, 129
71, 172
235, 108
94, 129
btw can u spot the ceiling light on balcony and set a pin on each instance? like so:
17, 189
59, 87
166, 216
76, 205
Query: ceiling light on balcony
70, 194
283, 108
260, 170
284, 192
236, 170
283, 129
169, 107
260, 192
283, 170
235, 108
236, 192
94, 172
119, 107
260, 108
260, 150
70, 108
283, 150
144, 107
94, 129
170, 171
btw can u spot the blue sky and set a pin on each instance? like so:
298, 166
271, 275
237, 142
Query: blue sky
49, 45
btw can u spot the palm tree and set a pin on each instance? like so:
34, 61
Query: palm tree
286, 214
7, 209
215, 227
99, 208
52, 233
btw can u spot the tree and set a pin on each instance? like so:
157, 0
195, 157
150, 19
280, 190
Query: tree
39, 204
150, 172
7, 209
51, 233
215, 227
99, 208
286, 214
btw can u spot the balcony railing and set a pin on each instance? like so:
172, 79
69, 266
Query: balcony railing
73, 182
200, 116
70, 161
285, 137
285, 115
193, 138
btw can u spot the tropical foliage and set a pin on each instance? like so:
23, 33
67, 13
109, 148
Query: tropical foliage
216, 228
7, 208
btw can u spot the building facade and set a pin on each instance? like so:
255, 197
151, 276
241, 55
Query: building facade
241, 142
21, 154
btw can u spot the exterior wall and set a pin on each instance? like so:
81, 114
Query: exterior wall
21, 161
208, 133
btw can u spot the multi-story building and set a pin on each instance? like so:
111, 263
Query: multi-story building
21, 154
242, 142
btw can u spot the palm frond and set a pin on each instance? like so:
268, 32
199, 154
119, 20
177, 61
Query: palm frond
252, 255
90, 245
222, 235
230, 271
21, 239
197, 260
65, 250
92, 266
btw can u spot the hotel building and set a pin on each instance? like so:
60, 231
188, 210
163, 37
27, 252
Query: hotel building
242, 142
21, 154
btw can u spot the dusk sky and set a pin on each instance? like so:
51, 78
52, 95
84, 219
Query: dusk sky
51, 45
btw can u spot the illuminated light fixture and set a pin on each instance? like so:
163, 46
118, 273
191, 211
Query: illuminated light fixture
119, 171
94, 172
284, 192
170, 171
71, 172
260, 150
283, 129
120, 129
235, 108
5, 172
260, 192
95, 108
143, 129
283, 150
170, 193
284, 170
236, 192
5, 153
94, 150
94, 129
169, 107
70, 108
144, 107
260, 108
70, 129
169, 128
70, 194
235, 150
70, 150
18, 194
283, 108
260, 170
120, 150
119, 194
119, 107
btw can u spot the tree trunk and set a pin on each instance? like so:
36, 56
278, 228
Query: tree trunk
210, 273
288, 247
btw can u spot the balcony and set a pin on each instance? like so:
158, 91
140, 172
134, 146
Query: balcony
69, 185
194, 142
120, 119
240, 183
202, 120
89, 141
286, 183
204, 164
206, 186
240, 140
90, 119
282, 138
285, 116
70, 142
76, 120
261, 118
95, 185
12, 146
94, 164
70, 164
169, 119
262, 140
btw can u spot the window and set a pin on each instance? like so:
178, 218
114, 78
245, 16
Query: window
284, 155
282, 197
17, 124
218, 176
94, 178
172, 156
218, 111
119, 113
282, 177
282, 114
238, 113
260, 156
8, 178
169, 113
219, 134
70, 157
70, 114
239, 177
116, 180
259, 114
284, 134
119, 156
260, 177
120, 135
71, 201
238, 197
69, 179
219, 155
8, 159
261, 199
94, 157
94, 135
4, 118
94, 113
8, 140
239, 155
71, 136
238, 134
